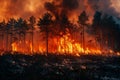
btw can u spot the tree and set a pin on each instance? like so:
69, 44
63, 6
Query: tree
106, 31
10, 30
64, 23
97, 27
109, 30
21, 27
66, 28
2, 31
82, 19
32, 21
44, 24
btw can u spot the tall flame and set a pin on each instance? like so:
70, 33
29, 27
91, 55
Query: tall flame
61, 45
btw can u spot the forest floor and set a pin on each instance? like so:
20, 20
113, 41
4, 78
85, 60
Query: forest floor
59, 67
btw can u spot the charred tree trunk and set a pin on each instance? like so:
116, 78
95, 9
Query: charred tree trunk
64, 45
47, 35
24, 38
101, 41
83, 39
1, 38
10, 41
7, 41
32, 41
2, 42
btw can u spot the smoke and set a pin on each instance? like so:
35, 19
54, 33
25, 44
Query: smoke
61, 7
116, 5
21, 8
105, 6
72, 8
70, 4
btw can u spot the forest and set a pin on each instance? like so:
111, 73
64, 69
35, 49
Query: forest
59, 40
22, 35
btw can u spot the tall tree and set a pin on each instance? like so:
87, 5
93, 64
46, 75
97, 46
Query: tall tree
44, 24
82, 20
109, 29
64, 23
21, 27
106, 31
32, 21
66, 28
11, 29
97, 27
2, 33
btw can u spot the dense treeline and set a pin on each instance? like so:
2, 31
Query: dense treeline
104, 28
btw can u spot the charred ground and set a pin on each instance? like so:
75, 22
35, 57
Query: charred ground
62, 67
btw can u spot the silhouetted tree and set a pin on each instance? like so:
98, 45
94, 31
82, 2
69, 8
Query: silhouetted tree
22, 27
11, 30
44, 24
2, 32
109, 30
106, 30
97, 27
66, 27
64, 23
32, 21
82, 19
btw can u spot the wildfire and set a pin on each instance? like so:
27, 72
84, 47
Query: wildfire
67, 45
61, 45
14, 47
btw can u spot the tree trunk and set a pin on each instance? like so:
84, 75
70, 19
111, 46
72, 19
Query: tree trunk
101, 42
2, 42
24, 38
7, 41
47, 42
83, 39
11, 42
32, 41
64, 45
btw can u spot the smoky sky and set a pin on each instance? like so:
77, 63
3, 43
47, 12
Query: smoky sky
63, 6
104, 6
27, 8
70, 4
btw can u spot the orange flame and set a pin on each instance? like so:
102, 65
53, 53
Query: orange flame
61, 45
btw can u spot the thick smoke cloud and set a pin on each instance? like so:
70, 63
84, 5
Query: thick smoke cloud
104, 6
26, 8
70, 4
62, 6
21, 8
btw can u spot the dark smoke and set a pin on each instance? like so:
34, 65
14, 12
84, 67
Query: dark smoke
103, 6
75, 7
70, 4
64, 7
21, 8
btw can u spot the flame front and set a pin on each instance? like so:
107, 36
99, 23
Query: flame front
57, 45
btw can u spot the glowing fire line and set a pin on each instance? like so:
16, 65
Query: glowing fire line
62, 45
